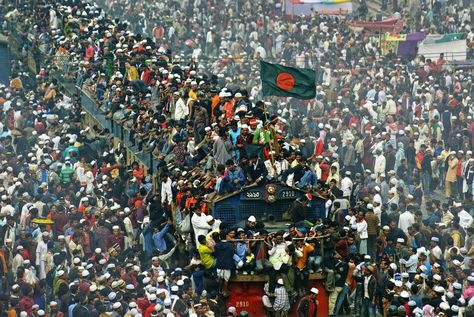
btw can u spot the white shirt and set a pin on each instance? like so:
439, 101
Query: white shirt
271, 170
379, 164
346, 186
209, 37
412, 263
278, 255
366, 286
128, 226
378, 198
362, 229
465, 219
181, 110
17, 262
378, 212
437, 253
406, 220
41, 250
166, 192
200, 226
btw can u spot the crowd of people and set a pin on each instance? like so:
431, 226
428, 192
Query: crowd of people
387, 143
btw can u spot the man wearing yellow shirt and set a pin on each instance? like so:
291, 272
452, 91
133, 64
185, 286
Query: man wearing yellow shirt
205, 253
131, 72
192, 92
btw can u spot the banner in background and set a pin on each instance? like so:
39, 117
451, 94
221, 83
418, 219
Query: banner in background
319, 1
328, 7
453, 50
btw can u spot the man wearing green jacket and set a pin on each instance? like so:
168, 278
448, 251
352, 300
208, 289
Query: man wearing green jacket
66, 173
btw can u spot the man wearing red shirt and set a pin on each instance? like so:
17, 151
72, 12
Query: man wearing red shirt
324, 166
116, 238
26, 302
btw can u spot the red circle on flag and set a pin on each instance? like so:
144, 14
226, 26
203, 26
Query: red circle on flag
285, 81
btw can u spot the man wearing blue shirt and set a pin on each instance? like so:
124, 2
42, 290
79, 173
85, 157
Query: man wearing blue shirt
233, 177
159, 237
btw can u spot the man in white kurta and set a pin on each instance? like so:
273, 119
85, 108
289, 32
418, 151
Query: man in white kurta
435, 250
41, 250
346, 185
17, 260
379, 166
128, 229
200, 225
406, 220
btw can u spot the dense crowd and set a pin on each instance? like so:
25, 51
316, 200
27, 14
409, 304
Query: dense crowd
387, 143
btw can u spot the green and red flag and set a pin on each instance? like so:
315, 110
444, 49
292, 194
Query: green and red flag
284, 81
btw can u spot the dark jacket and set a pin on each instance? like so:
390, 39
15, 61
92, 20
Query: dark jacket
297, 211
372, 287
255, 172
340, 270
426, 164
224, 253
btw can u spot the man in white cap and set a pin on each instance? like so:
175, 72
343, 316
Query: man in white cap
127, 221
53, 309
17, 259
41, 250
214, 223
377, 197
281, 305
308, 305
346, 185
379, 166
200, 225
435, 250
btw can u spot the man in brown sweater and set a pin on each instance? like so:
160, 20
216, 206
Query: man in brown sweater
372, 229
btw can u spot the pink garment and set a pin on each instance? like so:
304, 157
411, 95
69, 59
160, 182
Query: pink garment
469, 292
89, 52
428, 311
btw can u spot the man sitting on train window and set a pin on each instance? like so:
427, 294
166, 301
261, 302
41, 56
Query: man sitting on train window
251, 226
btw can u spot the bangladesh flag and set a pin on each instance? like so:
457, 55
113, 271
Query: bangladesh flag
283, 81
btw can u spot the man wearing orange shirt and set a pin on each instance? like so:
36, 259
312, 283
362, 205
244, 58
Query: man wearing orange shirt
215, 100
15, 82
137, 171
228, 108
302, 252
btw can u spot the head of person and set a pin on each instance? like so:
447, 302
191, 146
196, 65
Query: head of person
251, 222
